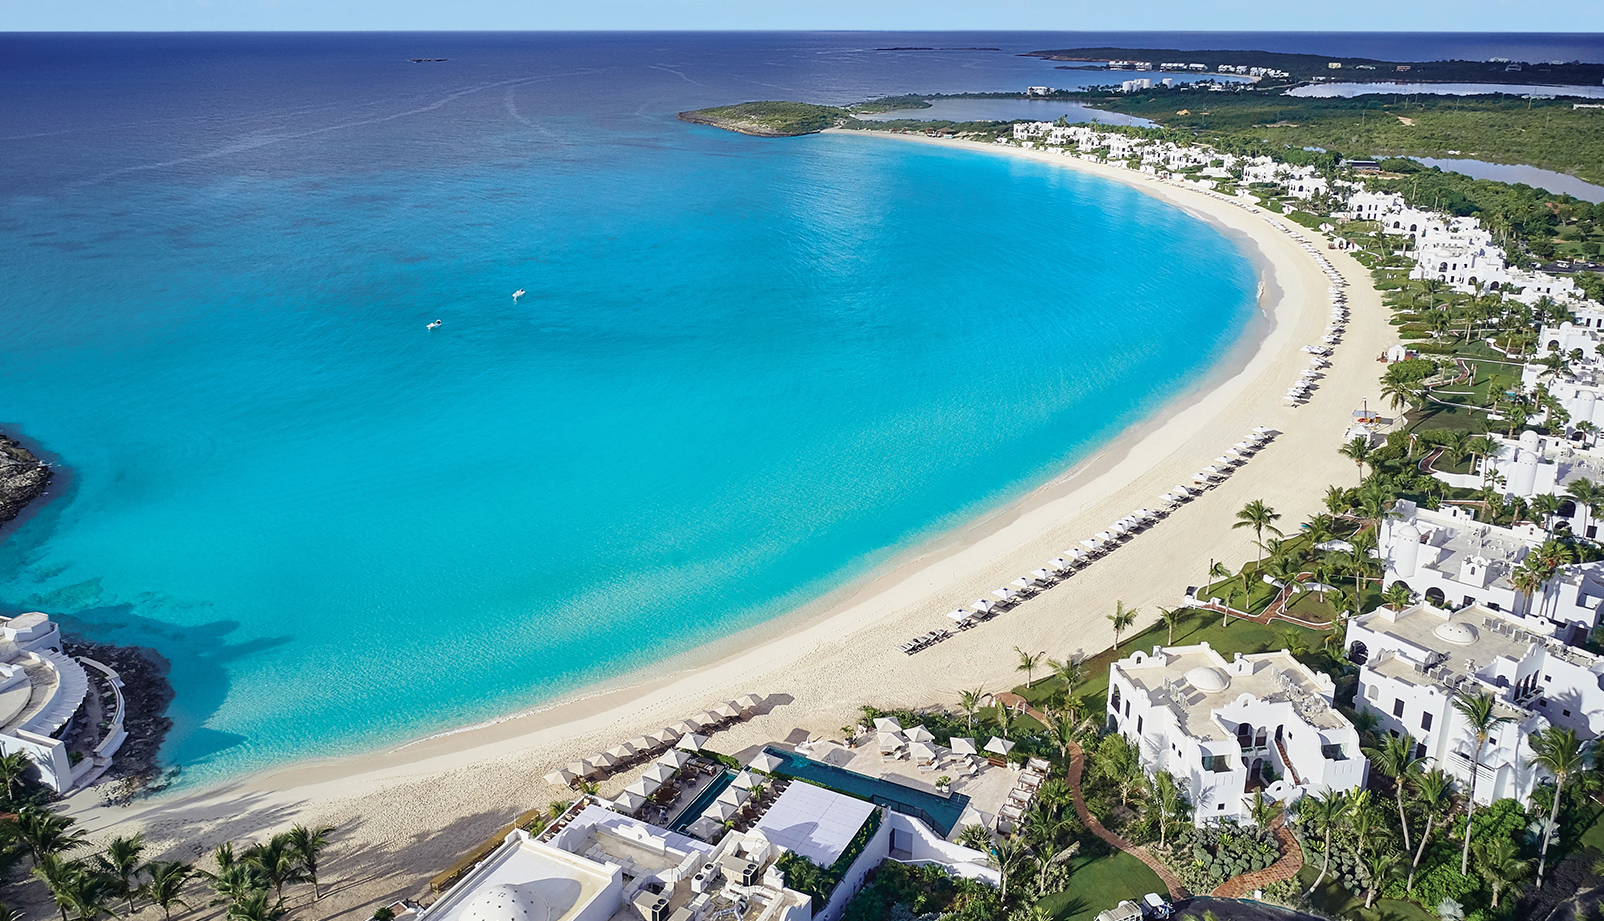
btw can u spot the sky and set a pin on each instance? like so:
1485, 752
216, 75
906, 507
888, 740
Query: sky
1091, 15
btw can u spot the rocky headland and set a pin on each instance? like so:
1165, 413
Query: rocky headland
23, 478
146, 696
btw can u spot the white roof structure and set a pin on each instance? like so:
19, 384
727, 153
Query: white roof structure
692, 742
999, 746
764, 762
814, 822
887, 724
41, 690
525, 880
962, 746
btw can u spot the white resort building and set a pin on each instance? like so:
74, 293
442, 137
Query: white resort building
1226, 729
594, 863
1452, 560
67, 720
1415, 662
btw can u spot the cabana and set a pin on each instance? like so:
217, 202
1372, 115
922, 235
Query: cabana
675, 759
643, 786
764, 762
744, 781
561, 777
919, 734
962, 746
628, 802
692, 742
887, 724
749, 703
659, 772
999, 746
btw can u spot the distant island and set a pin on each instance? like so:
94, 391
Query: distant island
1316, 68
769, 119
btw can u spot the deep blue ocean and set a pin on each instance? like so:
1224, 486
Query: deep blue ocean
745, 370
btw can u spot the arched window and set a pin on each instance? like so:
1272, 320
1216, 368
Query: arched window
1435, 596
1567, 509
1411, 228
1357, 654
1113, 698
1553, 345
1244, 735
1443, 267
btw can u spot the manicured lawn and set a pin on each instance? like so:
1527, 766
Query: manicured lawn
1198, 626
1593, 837
1100, 883
1337, 902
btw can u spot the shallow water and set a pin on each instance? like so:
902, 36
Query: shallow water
1556, 182
744, 371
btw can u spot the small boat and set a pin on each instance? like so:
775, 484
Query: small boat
434, 324
517, 294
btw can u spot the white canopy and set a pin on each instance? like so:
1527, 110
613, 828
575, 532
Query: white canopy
999, 745
659, 772
604, 759
686, 727
1042, 574
666, 736
642, 744
919, 734
629, 802
710, 718
964, 746
643, 786
720, 811
1005, 593
1091, 543
1022, 582
623, 751
1105, 537
764, 762
890, 741
581, 768
749, 703
692, 742
887, 724
1060, 564
745, 781
561, 777
923, 751
959, 616
733, 795
704, 827
983, 606
675, 759
729, 710
1182, 490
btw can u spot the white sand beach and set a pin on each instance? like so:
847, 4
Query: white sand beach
405, 814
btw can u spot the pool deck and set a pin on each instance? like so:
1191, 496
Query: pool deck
987, 790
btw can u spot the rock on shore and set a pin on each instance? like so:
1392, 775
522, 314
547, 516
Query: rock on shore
23, 478
146, 694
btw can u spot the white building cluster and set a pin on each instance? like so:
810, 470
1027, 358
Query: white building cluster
1225, 730
51, 707
1452, 561
1414, 663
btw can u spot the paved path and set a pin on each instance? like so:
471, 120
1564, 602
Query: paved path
1285, 868
1077, 765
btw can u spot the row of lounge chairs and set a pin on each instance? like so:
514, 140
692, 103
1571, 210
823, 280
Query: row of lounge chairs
924, 642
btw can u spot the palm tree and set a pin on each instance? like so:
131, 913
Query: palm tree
1122, 620
1260, 518
1008, 855
278, 862
1397, 596
1071, 672
1380, 865
969, 702
256, 907
121, 860
167, 881
43, 832
1167, 799
1497, 863
14, 768
1005, 719
1028, 663
1171, 618
1528, 578
1482, 447
76, 888
1547, 505
1262, 809
1358, 451
1063, 728
1561, 753
1433, 799
1396, 758
1336, 500
1481, 720
308, 845
1325, 811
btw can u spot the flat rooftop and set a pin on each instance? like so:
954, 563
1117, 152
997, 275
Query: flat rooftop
814, 822
530, 880
1275, 676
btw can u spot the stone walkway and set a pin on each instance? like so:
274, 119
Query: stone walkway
1287, 867
1077, 765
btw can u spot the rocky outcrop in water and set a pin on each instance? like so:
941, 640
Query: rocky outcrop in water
146, 694
23, 478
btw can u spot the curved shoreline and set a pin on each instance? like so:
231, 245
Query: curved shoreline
834, 654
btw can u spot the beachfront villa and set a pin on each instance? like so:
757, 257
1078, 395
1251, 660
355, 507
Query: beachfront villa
1225, 730
1415, 662
69, 721
595, 863
1452, 561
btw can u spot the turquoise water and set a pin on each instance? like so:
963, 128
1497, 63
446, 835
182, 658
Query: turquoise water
939, 812
745, 371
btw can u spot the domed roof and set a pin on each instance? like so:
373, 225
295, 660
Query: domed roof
1456, 632
507, 902
1207, 679
1406, 531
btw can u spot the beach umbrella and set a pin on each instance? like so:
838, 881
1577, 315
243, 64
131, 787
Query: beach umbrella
1076, 555
1042, 575
1182, 490
581, 768
603, 760
959, 616
664, 737
1168, 499
675, 759
887, 724
1059, 564
964, 746
923, 751
719, 812
1261, 430
1005, 593
705, 827
1242, 446
1105, 537
643, 786
890, 741
984, 606
1091, 543
999, 746
920, 734
733, 795
561, 777
623, 751
642, 744
729, 711
744, 781
1022, 582
749, 703
628, 802
765, 762
686, 727
709, 718
661, 773
692, 742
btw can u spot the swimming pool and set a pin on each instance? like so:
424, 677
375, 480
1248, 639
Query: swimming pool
941, 813
703, 800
